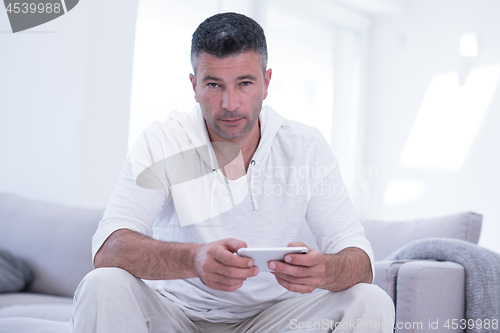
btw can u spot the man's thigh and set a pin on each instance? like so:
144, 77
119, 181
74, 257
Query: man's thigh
113, 300
361, 308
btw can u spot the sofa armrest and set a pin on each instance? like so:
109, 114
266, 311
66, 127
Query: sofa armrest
428, 294
386, 274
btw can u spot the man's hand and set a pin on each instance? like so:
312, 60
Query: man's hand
303, 273
300, 273
219, 268
214, 263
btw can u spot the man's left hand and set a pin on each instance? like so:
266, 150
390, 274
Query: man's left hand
301, 273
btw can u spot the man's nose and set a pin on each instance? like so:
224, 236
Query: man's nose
230, 99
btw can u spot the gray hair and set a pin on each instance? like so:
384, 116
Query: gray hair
228, 34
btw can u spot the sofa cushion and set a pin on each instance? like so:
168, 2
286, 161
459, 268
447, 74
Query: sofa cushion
33, 325
58, 312
54, 240
15, 275
388, 236
24, 298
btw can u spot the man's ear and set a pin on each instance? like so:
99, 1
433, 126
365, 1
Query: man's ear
267, 79
192, 78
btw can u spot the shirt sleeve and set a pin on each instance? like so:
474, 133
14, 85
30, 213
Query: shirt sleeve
131, 206
330, 213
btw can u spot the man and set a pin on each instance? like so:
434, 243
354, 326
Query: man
229, 174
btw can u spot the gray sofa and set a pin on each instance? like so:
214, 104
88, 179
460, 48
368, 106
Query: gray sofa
55, 242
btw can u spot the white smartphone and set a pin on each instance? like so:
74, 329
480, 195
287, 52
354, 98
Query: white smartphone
262, 256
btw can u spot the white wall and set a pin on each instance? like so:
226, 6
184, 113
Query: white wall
65, 91
64, 103
407, 52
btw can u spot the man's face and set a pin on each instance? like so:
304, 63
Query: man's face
230, 92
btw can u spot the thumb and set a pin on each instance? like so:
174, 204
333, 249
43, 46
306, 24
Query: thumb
297, 243
233, 244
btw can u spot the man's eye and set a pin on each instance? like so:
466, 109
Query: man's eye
213, 85
246, 83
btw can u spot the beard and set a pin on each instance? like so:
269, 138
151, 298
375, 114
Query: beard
247, 120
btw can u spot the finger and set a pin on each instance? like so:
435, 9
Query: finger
310, 259
223, 287
311, 281
297, 288
233, 244
222, 279
230, 265
298, 243
230, 259
294, 270
236, 272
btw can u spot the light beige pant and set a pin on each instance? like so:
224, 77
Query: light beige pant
111, 300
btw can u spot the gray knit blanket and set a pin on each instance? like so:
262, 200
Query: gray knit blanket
482, 273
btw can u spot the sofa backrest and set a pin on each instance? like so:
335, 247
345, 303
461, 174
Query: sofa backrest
54, 240
388, 236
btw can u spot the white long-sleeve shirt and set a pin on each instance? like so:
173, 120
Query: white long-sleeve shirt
293, 179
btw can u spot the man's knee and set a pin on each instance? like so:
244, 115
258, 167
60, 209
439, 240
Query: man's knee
359, 296
105, 280
370, 293
373, 298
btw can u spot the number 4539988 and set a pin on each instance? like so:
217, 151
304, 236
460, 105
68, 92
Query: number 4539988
33, 7
471, 324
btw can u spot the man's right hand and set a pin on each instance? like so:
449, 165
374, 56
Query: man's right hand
219, 268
